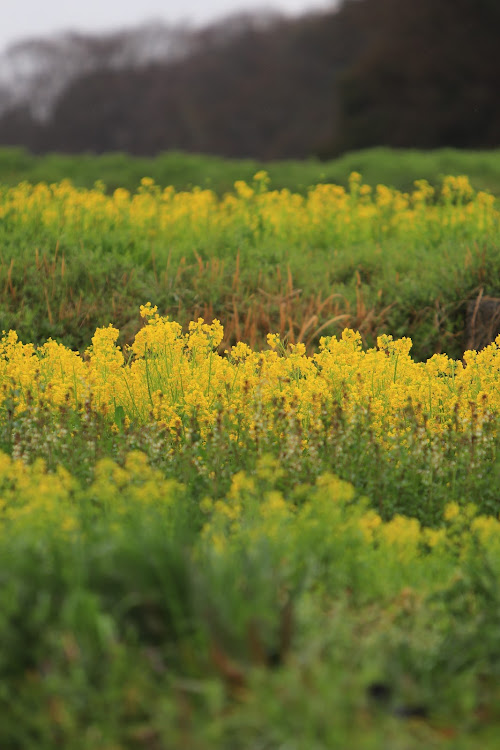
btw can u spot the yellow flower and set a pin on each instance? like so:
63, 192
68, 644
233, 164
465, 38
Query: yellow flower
451, 511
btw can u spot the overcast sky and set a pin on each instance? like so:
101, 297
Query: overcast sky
20, 19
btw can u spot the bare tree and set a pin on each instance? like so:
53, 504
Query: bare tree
35, 72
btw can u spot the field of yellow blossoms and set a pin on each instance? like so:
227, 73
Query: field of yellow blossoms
207, 543
327, 211
370, 258
174, 377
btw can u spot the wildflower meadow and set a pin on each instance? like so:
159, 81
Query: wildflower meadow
249, 471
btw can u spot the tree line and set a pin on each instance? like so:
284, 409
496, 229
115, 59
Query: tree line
400, 73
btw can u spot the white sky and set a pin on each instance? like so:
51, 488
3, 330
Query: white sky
20, 19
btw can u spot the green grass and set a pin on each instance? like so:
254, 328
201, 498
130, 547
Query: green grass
392, 167
134, 633
373, 290
64, 282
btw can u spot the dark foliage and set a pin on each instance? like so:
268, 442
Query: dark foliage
429, 77
374, 72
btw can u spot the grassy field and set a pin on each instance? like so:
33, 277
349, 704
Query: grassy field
261, 260
280, 530
397, 168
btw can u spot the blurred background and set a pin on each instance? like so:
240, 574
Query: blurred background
230, 79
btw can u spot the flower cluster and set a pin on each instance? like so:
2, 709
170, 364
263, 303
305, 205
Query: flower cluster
174, 377
326, 215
